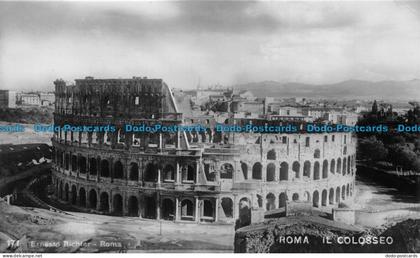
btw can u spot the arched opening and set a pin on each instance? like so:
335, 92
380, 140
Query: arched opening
150, 173
134, 172
332, 166
316, 170
82, 165
317, 154
270, 202
104, 168
187, 210
284, 171
259, 201
344, 166
67, 161
244, 168
296, 168
60, 193
133, 206
271, 172
244, 212
74, 163
307, 196
168, 211
331, 196
149, 207
118, 170
324, 197
93, 201
104, 202
295, 197
315, 199
339, 165
73, 195
348, 165
226, 171
93, 170
257, 171
348, 190
82, 197
282, 200
271, 155
307, 169
343, 192
325, 169
168, 173
227, 206
188, 174
337, 195
208, 209
117, 205
66, 192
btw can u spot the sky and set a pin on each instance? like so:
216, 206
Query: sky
189, 43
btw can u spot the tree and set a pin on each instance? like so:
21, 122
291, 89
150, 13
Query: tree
372, 149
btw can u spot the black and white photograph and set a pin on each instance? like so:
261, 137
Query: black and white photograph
209, 127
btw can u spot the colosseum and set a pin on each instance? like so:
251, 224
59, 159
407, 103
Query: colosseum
199, 177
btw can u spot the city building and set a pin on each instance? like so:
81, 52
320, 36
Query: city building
7, 99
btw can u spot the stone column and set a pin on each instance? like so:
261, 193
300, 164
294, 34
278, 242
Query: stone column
176, 208
197, 210
158, 206
216, 210
177, 179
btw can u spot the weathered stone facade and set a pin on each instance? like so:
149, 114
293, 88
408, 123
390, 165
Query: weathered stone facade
200, 177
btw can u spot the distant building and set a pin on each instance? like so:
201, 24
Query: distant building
7, 99
29, 99
47, 99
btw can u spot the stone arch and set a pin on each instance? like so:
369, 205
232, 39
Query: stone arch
295, 197
208, 208
73, 195
257, 171
307, 169
244, 211
168, 209
316, 170
227, 206
244, 168
271, 155
317, 154
150, 174
348, 165
149, 207
270, 202
282, 200
348, 190
315, 199
66, 192
133, 206
82, 165
74, 163
339, 165
324, 197
307, 196
325, 169
332, 166
118, 170
296, 168
187, 209
93, 199
344, 166
82, 197
117, 205
271, 172
93, 170
226, 171
104, 168
337, 195
331, 196
169, 173
134, 171
104, 202
284, 171
343, 192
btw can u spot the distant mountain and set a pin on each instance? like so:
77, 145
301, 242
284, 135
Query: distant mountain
351, 89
